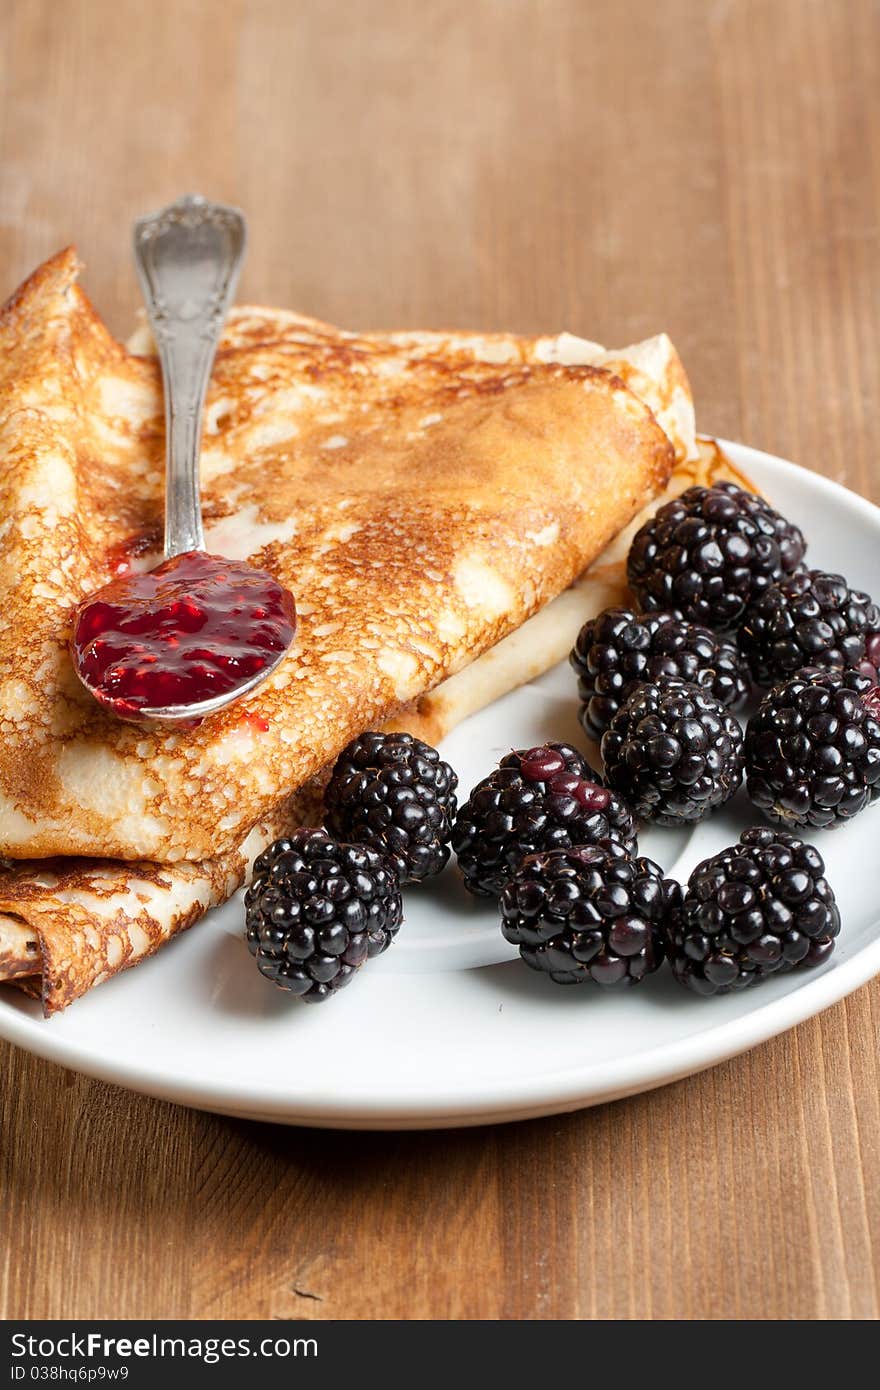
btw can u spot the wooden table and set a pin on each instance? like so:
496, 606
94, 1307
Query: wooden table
712, 169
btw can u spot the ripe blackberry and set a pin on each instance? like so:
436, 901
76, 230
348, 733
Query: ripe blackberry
707, 554
593, 912
317, 909
673, 752
809, 619
621, 647
396, 794
812, 749
536, 799
761, 907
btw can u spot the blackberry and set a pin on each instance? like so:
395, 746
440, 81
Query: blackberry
759, 908
809, 619
620, 647
812, 749
593, 913
316, 910
673, 752
536, 799
707, 555
396, 794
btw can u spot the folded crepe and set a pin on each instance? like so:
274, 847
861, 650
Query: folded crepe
421, 501
419, 507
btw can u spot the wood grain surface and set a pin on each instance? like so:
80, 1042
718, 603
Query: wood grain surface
709, 167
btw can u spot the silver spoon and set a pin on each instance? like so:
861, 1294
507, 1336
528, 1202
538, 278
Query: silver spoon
139, 643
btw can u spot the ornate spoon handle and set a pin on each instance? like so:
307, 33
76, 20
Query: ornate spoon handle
188, 257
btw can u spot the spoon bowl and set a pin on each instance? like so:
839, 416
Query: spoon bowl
183, 640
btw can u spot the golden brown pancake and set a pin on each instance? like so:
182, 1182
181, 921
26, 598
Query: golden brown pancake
421, 507
651, 369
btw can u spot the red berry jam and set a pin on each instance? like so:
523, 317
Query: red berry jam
194, 628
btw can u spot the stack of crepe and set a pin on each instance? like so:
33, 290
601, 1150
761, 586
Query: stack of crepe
447, 509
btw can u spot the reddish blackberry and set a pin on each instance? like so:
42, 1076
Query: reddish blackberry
396, 794
707, 554
813, 749
537, 799
761, 907
317, 909
809, 619
588, 913
673, 752
620, 647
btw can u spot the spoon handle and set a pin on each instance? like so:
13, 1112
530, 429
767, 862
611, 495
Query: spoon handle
188, 257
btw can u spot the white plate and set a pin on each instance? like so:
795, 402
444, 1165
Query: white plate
449, 1028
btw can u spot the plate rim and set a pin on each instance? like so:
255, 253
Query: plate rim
577, 1086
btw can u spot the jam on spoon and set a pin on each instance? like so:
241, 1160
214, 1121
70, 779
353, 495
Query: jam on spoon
194, 629
199, 631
